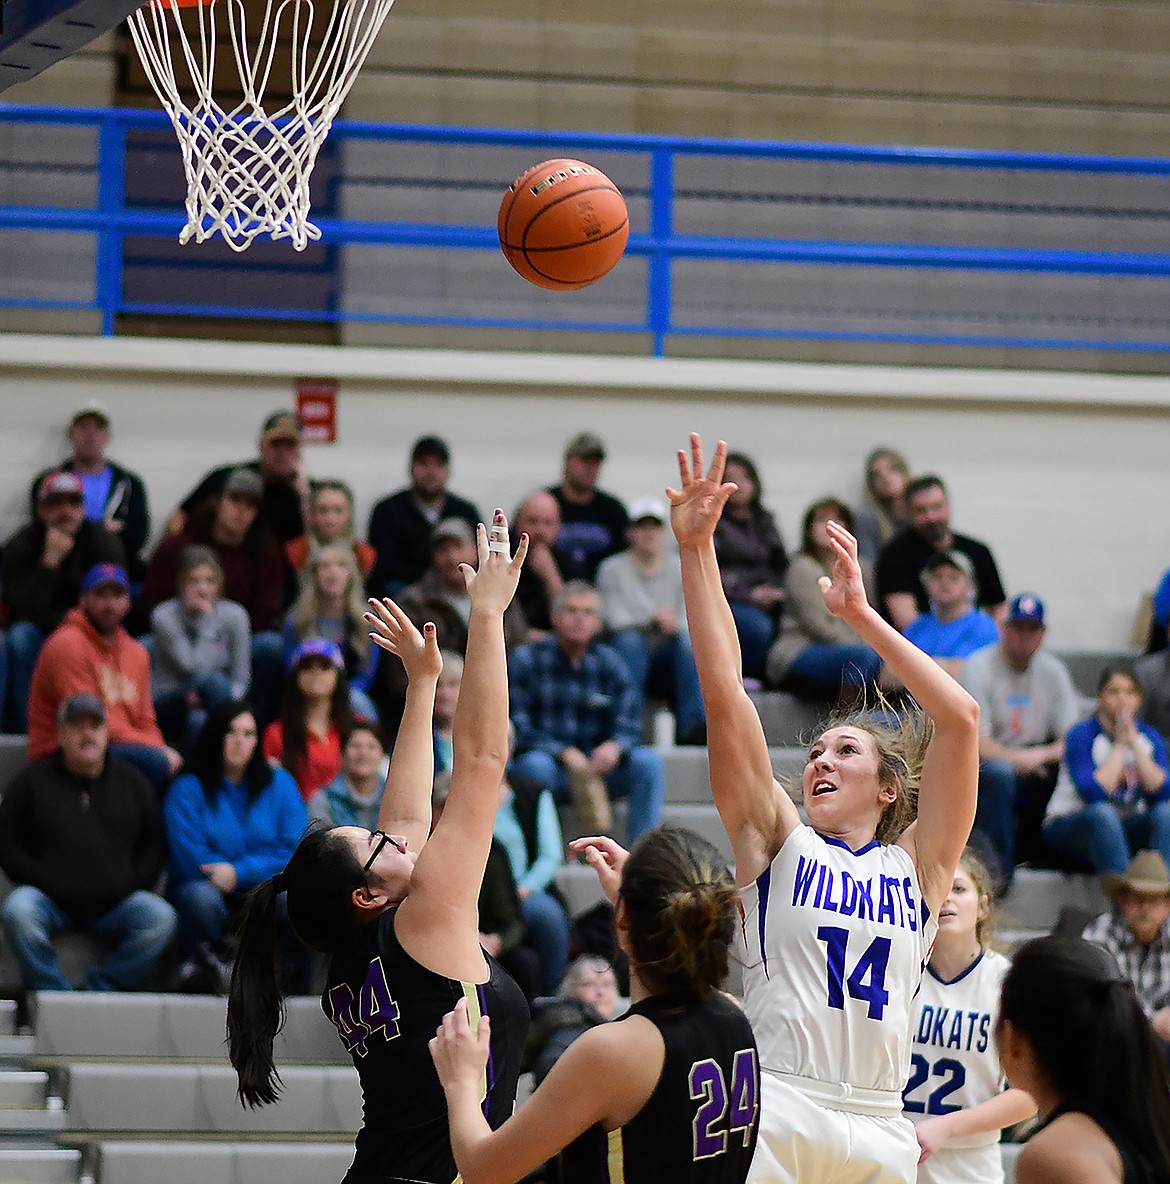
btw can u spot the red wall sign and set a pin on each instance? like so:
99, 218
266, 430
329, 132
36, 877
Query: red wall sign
317, 407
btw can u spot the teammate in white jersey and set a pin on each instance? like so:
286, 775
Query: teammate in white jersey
955, 1095
838, 915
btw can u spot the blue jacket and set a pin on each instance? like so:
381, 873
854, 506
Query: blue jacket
255, 837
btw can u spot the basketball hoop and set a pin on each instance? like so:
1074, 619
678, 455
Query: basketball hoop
248, 169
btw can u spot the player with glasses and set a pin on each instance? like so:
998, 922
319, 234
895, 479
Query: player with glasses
395, 909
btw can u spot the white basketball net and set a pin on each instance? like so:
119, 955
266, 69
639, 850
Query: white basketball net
248, 169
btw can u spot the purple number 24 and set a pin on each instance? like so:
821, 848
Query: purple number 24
372, 1012
708, 1087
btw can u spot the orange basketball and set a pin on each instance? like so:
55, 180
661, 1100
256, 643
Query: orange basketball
563, 225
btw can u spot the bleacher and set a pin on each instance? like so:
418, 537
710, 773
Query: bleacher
135, 1089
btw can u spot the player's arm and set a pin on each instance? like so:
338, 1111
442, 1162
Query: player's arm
406, 800
438, 922
604, 1077
1005, 1109
950, 770
756, 812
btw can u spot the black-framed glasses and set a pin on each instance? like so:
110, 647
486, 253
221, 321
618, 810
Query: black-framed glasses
383, 839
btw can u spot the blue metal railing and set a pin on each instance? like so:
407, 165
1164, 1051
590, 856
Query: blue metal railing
110, 220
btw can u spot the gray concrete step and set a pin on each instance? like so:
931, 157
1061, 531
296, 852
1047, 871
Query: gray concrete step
1037, 898
213, 1162
39, 1165
23, 1089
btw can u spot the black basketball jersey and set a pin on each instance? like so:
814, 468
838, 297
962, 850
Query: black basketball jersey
386, 1007
700, 1123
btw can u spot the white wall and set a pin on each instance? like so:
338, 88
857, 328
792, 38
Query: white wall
1063, 475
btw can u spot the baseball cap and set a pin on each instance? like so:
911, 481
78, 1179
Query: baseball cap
60, 483
430, 446
1026, 607
93, 407
648, 507
244, 483
83, 705
954, 558
104, 573
281, 425
453, 528
585, 444
316, 647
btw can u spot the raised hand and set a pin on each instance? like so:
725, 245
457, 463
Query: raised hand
460, 1055
696, 507
493, 584
395, 632
606, 857
844, 592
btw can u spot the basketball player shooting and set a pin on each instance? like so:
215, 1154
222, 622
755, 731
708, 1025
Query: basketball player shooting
837, 916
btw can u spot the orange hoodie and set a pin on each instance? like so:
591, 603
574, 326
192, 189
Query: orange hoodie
75, 657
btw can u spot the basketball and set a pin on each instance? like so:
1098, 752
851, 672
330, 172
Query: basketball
563, 225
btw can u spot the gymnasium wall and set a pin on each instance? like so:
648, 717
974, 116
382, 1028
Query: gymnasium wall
1063, 474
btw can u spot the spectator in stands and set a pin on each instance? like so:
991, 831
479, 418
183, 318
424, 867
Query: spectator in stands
952, 629
315, 714
578, 728
1112, 796
587, 996
114, 496
882, 513
401, 525
502, 931
593, 522
254, 572
81, 837
201, 650
91, 651
232, 821
642, 607
1137, 934
354, 796
44, 563
1027, 703
528, 829
446, 700
539, 516
900, 564
1159, 615
330, 520
330, 605
1153, 675
283, 484
816, 654
752, 563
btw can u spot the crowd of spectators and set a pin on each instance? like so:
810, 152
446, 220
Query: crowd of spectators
234, 646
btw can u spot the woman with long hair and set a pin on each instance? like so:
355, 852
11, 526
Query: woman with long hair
232, 821
669, 1093
838, 913
395, 911
1112, 795
955, 1095
330, 605
330, 520
816, 653
1072, 1033
315, 713
883, 511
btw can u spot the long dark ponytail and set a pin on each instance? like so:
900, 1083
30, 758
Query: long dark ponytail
319, 881
1093, 1043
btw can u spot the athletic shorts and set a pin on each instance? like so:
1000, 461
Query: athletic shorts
963, 1165
802, 1141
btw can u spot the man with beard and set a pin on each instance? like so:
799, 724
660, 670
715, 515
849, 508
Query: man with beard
901, 591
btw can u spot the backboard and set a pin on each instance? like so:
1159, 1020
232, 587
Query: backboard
36, 33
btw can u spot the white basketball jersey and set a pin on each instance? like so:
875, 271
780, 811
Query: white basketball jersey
835, 942
953, 1064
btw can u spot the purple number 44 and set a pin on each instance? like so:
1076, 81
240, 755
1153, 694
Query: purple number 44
374, 1010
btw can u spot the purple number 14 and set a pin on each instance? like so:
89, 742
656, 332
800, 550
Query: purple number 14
373, 1011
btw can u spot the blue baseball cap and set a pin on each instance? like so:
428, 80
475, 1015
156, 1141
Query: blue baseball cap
316, 647
105, 573
1026, 607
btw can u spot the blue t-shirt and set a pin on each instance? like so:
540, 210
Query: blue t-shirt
953, 639
97, 493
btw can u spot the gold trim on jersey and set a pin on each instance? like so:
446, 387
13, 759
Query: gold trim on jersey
471, 994
616, 1157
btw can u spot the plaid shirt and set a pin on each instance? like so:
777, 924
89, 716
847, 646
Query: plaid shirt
557, 705
1147, 967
